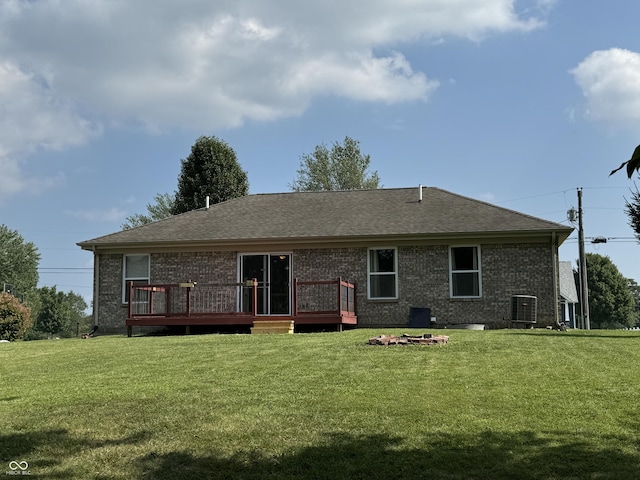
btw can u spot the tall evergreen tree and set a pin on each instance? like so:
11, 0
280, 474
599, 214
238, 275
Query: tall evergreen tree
343, 167
211, 169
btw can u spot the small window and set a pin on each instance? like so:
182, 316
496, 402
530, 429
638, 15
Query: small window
135, 269
465, 280
383, 274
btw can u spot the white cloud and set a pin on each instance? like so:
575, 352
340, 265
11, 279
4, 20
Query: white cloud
70, 66
32, 118
361, 77
610, 82
112, 214
205, 64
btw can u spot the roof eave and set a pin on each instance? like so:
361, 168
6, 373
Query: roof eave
438, 237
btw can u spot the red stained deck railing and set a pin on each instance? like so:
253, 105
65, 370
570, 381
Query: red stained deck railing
324, 297
310, 298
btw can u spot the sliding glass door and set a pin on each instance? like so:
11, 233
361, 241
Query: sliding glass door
274, 283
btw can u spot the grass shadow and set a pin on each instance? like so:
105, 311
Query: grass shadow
489, 455
49, 448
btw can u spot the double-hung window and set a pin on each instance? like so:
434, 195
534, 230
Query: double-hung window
465, 278
135, 269
382, 267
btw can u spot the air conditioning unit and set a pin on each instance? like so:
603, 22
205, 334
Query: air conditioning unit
524, 308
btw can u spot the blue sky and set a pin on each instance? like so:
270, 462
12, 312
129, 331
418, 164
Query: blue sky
518, 103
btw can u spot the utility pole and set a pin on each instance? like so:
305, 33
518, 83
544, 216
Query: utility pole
584, 288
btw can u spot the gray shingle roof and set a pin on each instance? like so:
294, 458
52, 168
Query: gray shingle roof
343, 215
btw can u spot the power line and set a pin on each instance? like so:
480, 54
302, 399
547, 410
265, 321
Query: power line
55, 272
65, 268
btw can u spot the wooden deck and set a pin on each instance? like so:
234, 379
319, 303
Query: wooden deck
330, 302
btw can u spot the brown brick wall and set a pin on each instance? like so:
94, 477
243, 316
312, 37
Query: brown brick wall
111, 312
423, 281
506, 270
423, 273
201, 267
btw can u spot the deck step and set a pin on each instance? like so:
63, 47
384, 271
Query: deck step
272, 326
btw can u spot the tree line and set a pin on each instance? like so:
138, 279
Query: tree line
212, 170
29, 312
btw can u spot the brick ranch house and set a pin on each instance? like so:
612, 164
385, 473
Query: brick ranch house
363, 257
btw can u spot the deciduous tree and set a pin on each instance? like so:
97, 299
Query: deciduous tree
18, 263
59, 313
162, 208
611, 304
343, 167
212, 170
634, 288
15, 317
52, 312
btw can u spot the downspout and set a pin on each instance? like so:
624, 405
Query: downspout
556, 282
96, 285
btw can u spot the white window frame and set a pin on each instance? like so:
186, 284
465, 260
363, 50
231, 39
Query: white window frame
477, 271
371, 274
126, 280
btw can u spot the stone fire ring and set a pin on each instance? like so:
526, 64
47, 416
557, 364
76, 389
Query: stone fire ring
425, 339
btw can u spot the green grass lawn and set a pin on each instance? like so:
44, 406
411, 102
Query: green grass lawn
506, 404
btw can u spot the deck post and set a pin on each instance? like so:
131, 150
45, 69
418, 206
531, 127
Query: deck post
254, 292
130, 298
355, 298
339, 296
129, 331
295, 297
187, 330
188, 301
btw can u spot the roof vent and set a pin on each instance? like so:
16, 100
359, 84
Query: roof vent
420, 193
206, 202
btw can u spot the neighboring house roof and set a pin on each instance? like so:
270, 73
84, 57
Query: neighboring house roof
568, 283
353, 215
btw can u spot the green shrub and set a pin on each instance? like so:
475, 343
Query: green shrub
33, 334
15, 318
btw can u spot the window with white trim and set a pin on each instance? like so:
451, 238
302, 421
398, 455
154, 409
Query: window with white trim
465, 279
382, 267
135, 268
